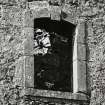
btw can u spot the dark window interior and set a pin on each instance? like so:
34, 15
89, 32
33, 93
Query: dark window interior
53, 71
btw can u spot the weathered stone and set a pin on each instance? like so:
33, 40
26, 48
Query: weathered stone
79, 76
81, 32
28, 19
39, 9
28, 58
1, 12
29, 71
68, 17
13, 15
28, 42
68, 1
68, 13
2, 36
40, 13
55, 94
55, 12
55, 2
81, 65
81, 51
75, 1
19, 78
3, 1
38, 5
89, 29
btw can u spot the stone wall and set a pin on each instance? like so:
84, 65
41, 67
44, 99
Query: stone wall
12, 48
95, 49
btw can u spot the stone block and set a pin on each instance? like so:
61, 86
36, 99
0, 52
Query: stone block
79, 76
68, 14
81, 33
58, 95
1, 12
19, 72
2, 36
29, 71
4, 1
10, 2
28, 47
39, 9
55, 12
24, 73
13, 15
40, 13
81, 51
89, 29
28, 32
28, 19
43, 13
68, 17
38, 5
56, 2
28, 43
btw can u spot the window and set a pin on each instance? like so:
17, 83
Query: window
39, 54
53, 53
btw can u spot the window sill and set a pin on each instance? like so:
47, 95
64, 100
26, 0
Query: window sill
55, 94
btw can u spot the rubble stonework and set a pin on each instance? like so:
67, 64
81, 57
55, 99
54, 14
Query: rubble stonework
12, 49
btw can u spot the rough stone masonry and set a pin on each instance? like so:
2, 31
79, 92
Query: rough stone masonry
12, 48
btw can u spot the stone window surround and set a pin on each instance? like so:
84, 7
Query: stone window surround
25, 69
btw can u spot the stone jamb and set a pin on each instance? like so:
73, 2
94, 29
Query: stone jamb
79, 59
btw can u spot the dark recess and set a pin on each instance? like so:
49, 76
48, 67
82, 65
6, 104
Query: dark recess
58, 65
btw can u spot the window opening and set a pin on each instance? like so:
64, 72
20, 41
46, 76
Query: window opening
53, 53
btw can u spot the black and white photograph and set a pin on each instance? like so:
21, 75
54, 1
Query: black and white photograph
52, 52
